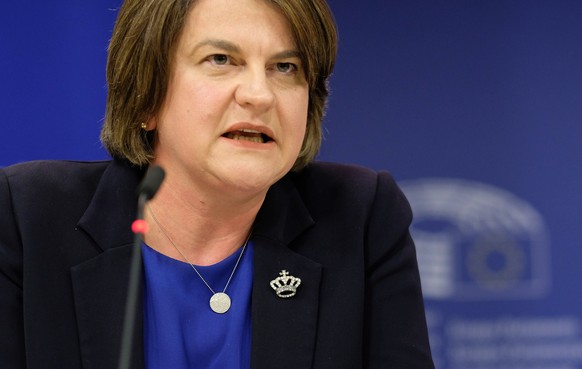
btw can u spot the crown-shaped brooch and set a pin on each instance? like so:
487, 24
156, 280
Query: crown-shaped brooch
286, 285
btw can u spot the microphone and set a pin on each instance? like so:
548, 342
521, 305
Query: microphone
151, 182
145, 191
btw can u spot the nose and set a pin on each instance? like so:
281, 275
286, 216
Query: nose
255, 90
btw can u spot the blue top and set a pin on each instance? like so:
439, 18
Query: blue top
180, 329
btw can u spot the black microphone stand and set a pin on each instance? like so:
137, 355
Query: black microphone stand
146, 191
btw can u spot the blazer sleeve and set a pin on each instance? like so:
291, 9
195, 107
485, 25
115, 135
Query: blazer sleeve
396, 330
11, 281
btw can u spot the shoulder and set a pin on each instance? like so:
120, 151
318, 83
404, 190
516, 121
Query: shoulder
352, 185
337, 173
31, 181
326, 176
348, 178
52, 170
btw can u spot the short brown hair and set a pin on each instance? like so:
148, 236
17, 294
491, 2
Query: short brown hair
138, 69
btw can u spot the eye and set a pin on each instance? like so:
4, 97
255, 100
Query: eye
219, 59
286, 67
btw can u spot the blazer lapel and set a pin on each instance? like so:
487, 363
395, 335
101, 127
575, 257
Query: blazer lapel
100, 287
100, 284
284, 329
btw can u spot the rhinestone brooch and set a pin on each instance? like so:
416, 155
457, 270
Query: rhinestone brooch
285, 285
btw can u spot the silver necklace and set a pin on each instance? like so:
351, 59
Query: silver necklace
219, 302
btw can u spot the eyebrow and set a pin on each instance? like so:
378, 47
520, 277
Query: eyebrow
220, 44
288, 54
234, 48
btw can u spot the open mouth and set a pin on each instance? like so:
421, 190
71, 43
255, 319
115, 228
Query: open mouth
248, 135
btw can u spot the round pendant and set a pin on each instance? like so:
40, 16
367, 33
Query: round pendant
220, 303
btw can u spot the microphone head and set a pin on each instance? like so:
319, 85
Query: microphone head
151, 182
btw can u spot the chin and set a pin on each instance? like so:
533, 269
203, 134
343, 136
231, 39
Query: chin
255, 178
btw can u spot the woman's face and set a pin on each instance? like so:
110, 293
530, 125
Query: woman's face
235, 112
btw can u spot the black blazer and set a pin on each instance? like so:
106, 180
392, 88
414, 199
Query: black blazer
65, 245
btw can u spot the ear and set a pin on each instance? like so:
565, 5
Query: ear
149, 124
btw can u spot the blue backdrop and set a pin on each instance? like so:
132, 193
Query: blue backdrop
474, 106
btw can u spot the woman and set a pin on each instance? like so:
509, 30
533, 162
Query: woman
257, 256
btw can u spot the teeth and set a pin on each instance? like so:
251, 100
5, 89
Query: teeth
248, 135
257, 139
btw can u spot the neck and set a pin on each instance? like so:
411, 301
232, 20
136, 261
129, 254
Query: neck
205, 228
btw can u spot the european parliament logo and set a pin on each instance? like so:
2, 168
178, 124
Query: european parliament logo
476, 241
